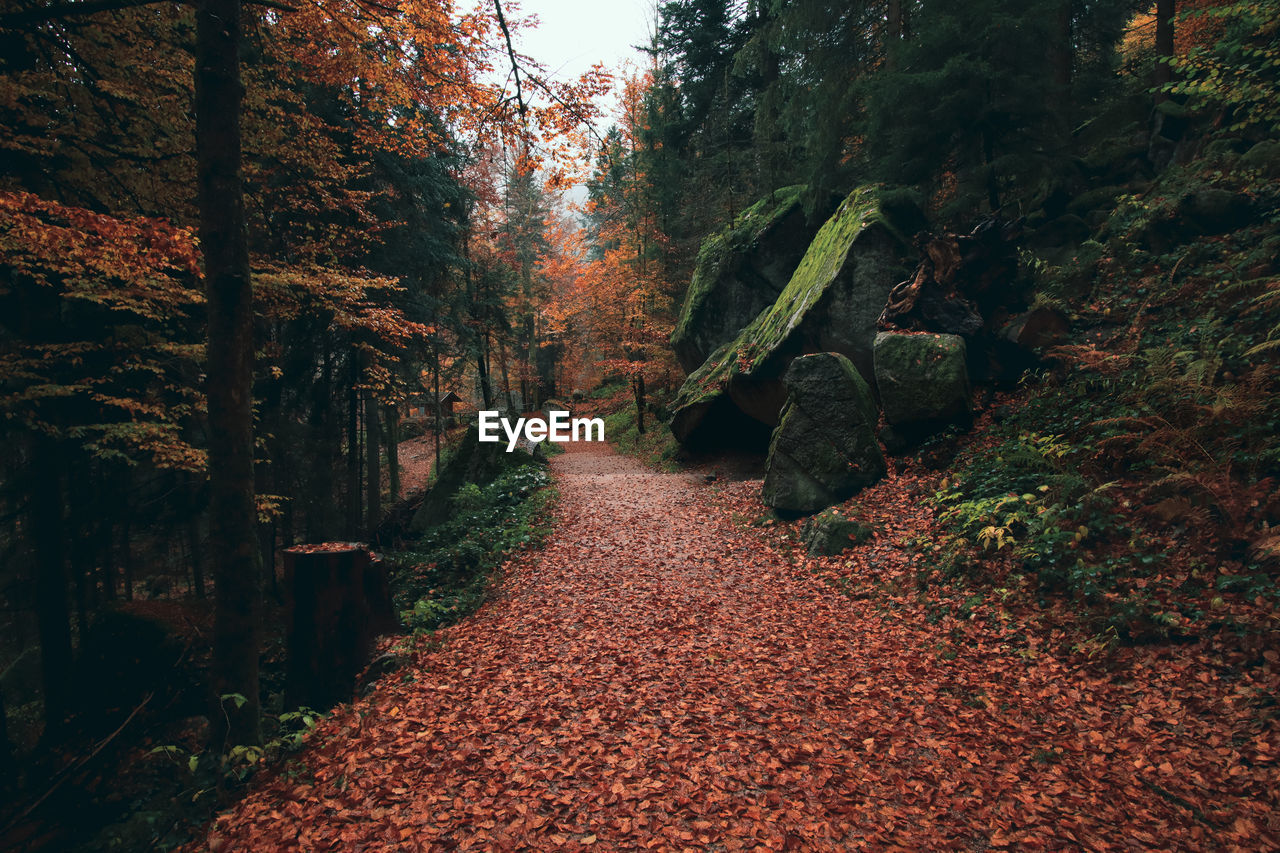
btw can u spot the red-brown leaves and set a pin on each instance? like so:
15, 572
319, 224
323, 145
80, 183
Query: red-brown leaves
659, 677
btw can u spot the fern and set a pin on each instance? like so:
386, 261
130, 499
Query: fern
1269, 300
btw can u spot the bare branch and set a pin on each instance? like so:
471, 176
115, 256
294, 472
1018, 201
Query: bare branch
511, 52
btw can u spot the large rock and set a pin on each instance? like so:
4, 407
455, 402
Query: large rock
740, 272
831, 304
830, 533
1215, 211
824, 450
1036, 329
923, 378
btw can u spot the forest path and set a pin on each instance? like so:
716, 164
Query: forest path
657, 677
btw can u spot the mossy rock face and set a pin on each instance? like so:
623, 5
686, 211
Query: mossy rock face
831, 304
1102, 198
824, 449
740, 272
1264, 157
1066, 230
923, 378
475, 461
830, 533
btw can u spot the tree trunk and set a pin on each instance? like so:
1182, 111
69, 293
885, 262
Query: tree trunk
1165, 11
353, 452
393, 451
1062, 56
193, 539
268, 476
436, 413
81, 540
482, 370
107, 555
326, 438
893, 33
48, 538
126, 549
482, 348
506, 379
637, 385
373, 466
233, 516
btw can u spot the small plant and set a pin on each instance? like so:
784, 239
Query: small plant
235, 765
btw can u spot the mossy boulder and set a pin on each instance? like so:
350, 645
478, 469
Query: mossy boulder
831, 304
829, 533
923, 379
1036, 329
1264, 157
1101, 198
740, 272
824, 449
474, 461
1215, 211
1066, 230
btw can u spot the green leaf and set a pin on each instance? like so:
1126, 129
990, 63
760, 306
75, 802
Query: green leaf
237, 698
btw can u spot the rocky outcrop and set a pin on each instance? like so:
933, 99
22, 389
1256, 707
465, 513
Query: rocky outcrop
740, 272
831, 304
923, 380
824, 449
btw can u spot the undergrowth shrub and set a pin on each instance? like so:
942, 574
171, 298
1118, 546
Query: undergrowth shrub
656, 446
447, 572
1138, 477
1032, 498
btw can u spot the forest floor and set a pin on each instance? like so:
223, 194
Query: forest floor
417, 457
670, 672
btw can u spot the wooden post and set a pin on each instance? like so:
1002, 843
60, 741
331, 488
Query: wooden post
339, 601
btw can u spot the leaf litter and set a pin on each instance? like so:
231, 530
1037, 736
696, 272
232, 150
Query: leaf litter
660, 676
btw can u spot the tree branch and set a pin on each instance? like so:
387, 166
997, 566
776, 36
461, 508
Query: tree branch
511, 52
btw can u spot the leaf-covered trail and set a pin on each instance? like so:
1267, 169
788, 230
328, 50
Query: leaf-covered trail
658, 678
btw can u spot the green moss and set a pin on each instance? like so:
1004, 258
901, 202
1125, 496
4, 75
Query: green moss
719, 249
655, 447
820, 266
922, 377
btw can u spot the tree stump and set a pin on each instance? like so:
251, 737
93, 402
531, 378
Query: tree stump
339, 602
